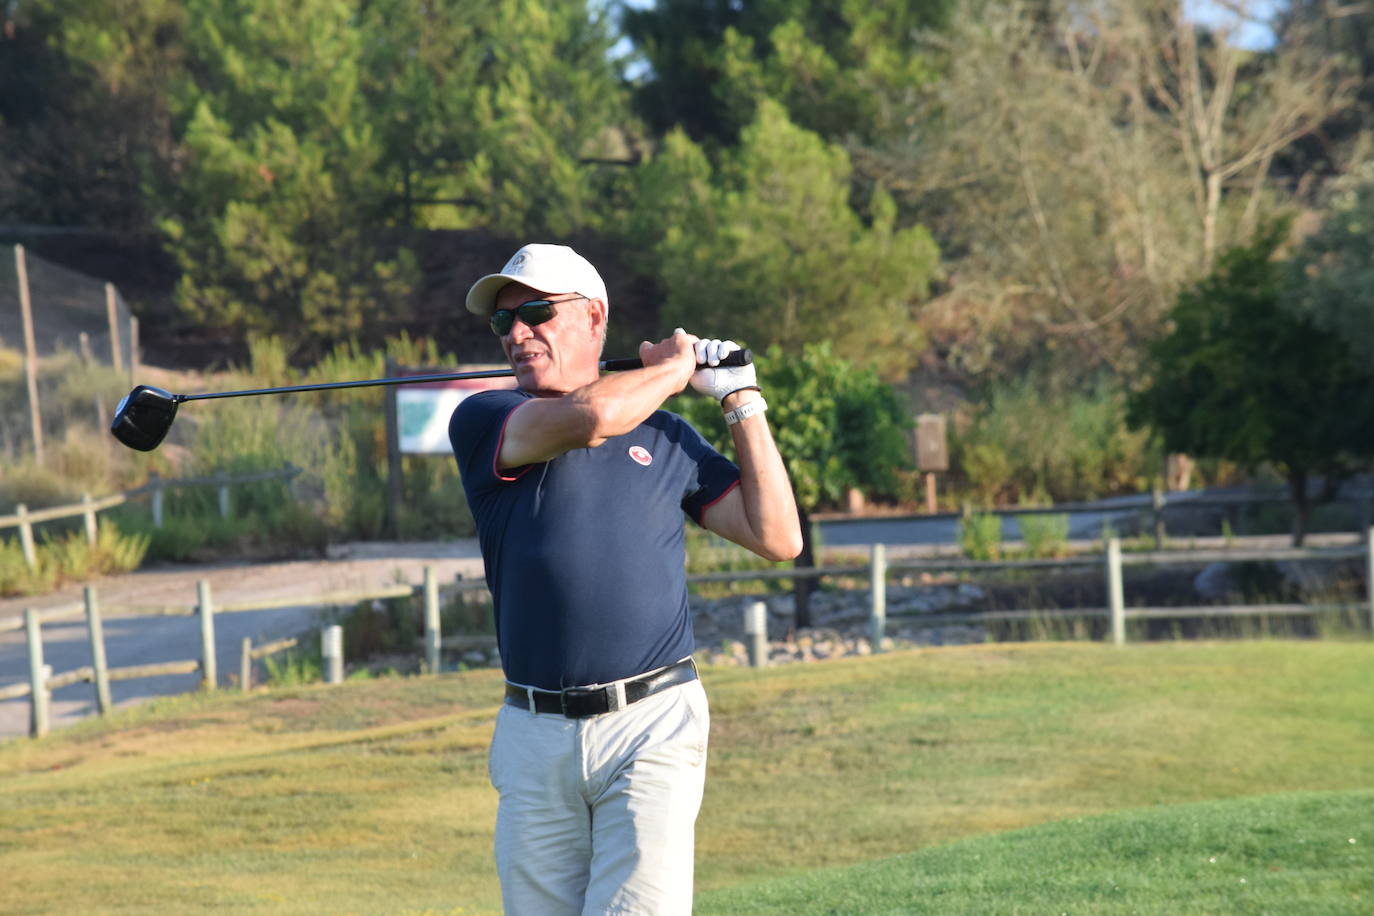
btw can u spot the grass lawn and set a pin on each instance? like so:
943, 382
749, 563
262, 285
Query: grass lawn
371, 797
1300, 853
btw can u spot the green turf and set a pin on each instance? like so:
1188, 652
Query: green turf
371, 797
1307, 853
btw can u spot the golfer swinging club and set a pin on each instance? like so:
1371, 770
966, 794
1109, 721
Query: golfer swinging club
578, 483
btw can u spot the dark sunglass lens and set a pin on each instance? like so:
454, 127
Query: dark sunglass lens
533, 313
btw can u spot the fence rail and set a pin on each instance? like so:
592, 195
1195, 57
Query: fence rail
156, 488
878, 570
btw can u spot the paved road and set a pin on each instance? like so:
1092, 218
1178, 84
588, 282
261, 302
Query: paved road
145, 640
1086, 521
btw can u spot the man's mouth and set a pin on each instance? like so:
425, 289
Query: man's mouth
525, 359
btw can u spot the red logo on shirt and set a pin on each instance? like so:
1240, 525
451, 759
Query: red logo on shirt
641, 455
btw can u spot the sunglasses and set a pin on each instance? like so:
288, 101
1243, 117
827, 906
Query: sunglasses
536, 311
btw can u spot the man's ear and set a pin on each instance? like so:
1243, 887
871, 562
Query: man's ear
599, 314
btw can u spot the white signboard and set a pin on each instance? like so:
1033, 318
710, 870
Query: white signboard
423, 411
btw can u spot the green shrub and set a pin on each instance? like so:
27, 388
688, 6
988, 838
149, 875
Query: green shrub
294, 668
1044, 535
15, 576
1034, 439
113, 552
980, 536
68, 557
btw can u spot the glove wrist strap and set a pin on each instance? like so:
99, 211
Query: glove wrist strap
737, 391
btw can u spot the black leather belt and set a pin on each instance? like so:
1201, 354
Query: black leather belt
581, 702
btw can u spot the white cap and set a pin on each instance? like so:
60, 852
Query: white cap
548, 268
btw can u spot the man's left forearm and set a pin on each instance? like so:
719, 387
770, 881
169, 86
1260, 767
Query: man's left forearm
768, 504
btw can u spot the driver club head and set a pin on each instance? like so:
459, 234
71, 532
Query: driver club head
143, 417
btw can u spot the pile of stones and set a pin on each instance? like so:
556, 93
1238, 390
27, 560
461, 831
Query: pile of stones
841, 623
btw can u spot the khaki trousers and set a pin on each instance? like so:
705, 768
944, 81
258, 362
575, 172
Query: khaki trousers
598, 815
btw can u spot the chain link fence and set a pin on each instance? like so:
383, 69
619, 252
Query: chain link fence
75, 320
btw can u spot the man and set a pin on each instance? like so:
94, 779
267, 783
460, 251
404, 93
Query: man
578, 483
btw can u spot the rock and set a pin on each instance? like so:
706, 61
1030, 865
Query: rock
1215, 582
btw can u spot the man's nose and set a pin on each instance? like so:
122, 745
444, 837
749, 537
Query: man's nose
519, 330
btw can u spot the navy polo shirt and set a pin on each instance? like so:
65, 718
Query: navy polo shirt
584, 553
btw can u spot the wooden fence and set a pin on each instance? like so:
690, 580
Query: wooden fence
877, 570
156, 488
42, 681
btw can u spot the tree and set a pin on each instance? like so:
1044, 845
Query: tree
85, 115
766, 246
1079, 165
277, 212
837, 426
831, 63
1244, 378
1332, 278
495, 113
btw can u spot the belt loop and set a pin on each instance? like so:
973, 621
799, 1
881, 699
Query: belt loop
617, 697
529, 701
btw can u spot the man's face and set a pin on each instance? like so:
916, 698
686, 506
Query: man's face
558, 355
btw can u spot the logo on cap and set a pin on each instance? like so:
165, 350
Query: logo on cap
641, 455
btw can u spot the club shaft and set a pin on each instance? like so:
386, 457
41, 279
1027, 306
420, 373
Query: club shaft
737, 358
365, 383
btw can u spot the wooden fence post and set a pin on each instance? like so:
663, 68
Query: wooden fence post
38, 679
331, 647
155, 482
222, 480
1369, 573
96, 631
208, 674
112, 316
1115, 594
877, 586
26, 536
1157, 507
30, 352
246, 665
394, 468
756, 629
88, 510
432, 622
133, 350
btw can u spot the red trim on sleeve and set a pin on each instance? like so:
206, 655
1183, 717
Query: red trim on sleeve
701, 513
496, 456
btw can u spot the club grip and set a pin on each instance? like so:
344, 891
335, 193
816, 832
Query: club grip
737, 358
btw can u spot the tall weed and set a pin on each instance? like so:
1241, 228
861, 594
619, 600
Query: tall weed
1044, 536
980, 536
69, 557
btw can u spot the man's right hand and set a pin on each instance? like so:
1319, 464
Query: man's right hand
678, 351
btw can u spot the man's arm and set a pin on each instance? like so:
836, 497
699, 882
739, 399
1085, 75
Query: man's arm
761, 513
543, 428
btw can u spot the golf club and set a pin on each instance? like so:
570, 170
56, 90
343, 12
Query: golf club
144, 415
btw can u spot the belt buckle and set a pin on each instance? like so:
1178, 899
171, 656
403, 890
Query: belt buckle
612, 694
577, 709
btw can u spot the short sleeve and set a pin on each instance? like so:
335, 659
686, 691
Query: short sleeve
475, 431
715, 476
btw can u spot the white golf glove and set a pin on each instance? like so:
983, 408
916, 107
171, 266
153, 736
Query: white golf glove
719, 382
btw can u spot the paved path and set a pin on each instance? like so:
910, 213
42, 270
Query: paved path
145, 640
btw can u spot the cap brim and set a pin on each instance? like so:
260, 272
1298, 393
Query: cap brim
482, 296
